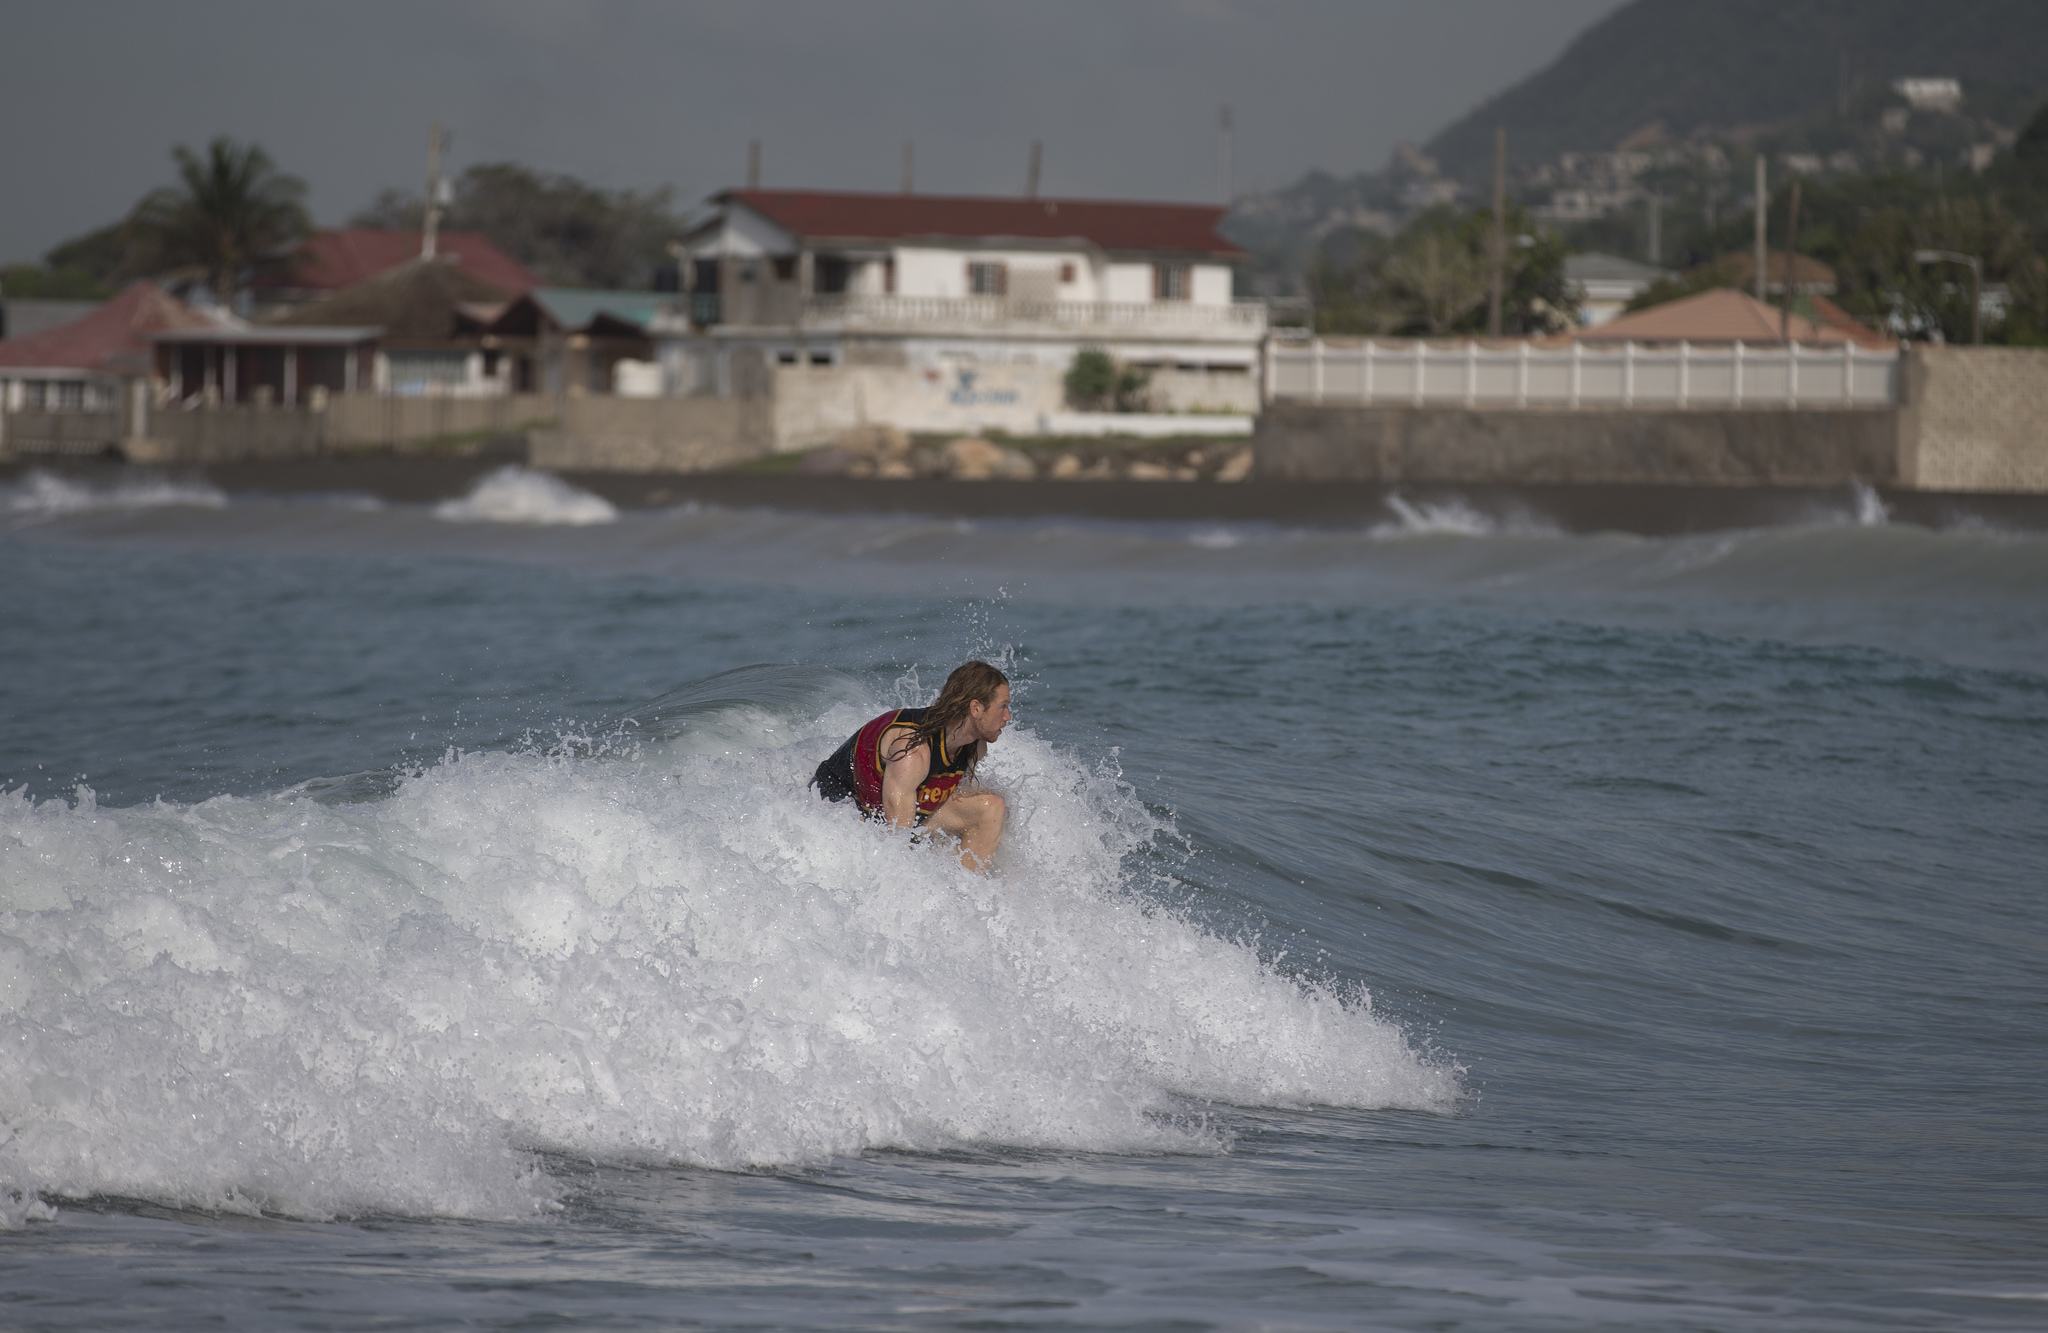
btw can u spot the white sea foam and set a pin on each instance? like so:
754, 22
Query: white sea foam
1216, 539
514, 494
40, 493
1871, 511
681, 955
1453, 517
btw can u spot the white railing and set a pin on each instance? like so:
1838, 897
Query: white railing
1239, 319
1422, 374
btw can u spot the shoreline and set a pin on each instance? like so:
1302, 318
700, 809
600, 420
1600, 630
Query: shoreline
1637, 508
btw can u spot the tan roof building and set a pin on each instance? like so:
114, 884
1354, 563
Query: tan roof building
1724, 315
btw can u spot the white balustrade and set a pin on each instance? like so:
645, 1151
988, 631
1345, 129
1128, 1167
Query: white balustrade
1419, 373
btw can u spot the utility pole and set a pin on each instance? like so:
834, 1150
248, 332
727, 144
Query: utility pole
907, 164
430, 231
1762, 227
1031, 172
1497, 243
1656, 230
753, 164
1791, 258
1224, 128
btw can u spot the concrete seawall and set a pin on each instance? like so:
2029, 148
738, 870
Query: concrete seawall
1970, 419
1303, 442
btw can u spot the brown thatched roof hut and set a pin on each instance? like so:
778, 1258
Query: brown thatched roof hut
423, 303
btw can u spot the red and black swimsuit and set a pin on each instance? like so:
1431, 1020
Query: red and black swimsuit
854, 770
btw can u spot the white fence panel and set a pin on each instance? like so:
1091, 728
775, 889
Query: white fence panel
1418, 373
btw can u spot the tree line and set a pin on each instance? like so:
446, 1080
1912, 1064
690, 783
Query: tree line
231, 213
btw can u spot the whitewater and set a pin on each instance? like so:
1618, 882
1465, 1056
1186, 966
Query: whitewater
413, 915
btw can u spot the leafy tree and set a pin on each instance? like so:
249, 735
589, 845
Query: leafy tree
39, 282
1433, 280
230, 210
568, 232
1096, 382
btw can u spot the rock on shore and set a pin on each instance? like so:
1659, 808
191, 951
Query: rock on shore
887, 453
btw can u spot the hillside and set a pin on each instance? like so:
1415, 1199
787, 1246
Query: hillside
1785, 75
1737, 66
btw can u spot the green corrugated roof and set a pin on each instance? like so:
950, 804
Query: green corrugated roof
575, 307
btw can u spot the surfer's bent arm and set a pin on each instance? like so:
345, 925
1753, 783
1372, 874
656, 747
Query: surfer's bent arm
903, 768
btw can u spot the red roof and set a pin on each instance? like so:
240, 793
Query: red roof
333, 260
1105, 224
112, 339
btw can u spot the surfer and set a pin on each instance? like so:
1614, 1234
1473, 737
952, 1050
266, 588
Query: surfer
911, 766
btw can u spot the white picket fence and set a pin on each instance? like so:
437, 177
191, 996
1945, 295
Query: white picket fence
1422, 374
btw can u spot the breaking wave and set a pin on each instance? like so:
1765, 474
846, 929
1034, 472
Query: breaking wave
45, 494
514, 494
657, 947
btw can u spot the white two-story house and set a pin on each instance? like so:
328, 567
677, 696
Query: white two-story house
808, 277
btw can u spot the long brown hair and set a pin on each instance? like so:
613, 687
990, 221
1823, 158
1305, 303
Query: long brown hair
974, 682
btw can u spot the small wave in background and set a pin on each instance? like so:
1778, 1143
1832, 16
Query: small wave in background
515, 494
40, 493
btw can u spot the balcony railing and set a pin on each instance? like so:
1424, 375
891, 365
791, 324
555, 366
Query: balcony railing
1240, 320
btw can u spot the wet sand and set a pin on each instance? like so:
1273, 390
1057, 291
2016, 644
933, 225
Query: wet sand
1644, 509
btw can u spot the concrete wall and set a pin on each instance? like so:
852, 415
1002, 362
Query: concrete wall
228, 434
1728, 448
365, 420
654, 434
813, 404
33, 433
1203, 391
1975, 419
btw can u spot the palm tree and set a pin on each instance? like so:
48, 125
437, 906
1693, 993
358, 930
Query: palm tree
229, 210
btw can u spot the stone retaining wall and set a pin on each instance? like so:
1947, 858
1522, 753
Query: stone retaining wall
1303, 442
1976, 419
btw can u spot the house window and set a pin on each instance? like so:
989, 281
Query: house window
833, 274
785, 267
889, 276
1067, 272
1171, 282
985, 278
70, 396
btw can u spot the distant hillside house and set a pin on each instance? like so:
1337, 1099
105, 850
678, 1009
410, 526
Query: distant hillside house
938, 282
1941, 95
1608, 283
334, 261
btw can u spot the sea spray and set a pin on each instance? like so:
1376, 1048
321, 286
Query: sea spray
41, 494
673, 952
514, 494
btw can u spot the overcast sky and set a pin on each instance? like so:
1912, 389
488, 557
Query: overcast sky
645, 93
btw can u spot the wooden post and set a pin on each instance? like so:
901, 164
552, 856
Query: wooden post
1761, 227
1522, 375
1628, 373
1471, 372
1848, 372
1315, 370
1738, 373
1684, 371
1791, 374
1371, 352
1421, 368
1578, 356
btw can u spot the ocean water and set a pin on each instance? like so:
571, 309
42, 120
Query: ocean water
413, 916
